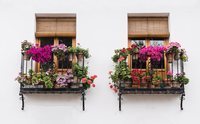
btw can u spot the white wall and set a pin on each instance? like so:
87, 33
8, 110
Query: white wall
102, 27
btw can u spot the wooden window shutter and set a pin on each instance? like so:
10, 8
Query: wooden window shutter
148, 25
158, 27
137, 27
55, 25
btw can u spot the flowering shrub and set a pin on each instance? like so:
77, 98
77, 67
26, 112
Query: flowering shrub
173, 47
25, 46
154, 52
181, 78
88, 81
21, 78
65, 79
41, 55
59, 50
137, 75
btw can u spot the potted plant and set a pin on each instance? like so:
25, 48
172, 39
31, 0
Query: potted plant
46, 79
183, 55
60, 51
88, 81
138, 78
156, 80
42, 55
155, 53
169, 80
25, 46
65, 80
71, 52
173, 51
180, 79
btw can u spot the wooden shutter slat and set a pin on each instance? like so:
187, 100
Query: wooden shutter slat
148, 26
55, 26
158, 26
137, 26
66, 26
46, 25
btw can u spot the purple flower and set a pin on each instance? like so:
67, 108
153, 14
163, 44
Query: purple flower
65, 79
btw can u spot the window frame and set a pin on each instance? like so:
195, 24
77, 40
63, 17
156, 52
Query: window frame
147, 43
55, 60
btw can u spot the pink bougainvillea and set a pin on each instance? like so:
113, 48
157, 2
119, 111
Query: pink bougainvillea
154, 52
40, 54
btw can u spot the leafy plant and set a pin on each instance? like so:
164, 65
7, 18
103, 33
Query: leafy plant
85, 52
46, 78
79, 71
26, 46
181, 78
156, 80
122, 72
183, 55
60, 51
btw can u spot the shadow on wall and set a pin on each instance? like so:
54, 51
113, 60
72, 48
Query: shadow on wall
53, 99
144, 98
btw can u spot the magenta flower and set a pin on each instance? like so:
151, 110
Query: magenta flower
41, 55
173, 47
154, 52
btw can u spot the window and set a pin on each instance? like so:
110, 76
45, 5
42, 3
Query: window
149, 30
54, 29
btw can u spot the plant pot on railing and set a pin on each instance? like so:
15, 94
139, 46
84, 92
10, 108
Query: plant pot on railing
26, 56
176, 56
80, 56
170, 57
70, 57
176, 84
168, 83
135, 56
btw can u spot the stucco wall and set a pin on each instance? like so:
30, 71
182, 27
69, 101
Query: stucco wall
101, 27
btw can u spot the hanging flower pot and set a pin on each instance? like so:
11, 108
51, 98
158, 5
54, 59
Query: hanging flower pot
70, 57
80, 56
176, 56
74, 56
135, 56
176, 84
170, 57
26, 56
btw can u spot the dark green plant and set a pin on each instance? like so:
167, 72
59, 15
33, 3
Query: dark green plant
47, 78
83, 51
181, 78
115, 58
79, 71
71, 49
26, 46
121, 73
183, 55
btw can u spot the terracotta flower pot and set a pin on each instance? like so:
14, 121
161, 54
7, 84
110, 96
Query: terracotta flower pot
135, 56
26, 56
170, 57
80, 56
176, 56
70, 57
176, 85
143, 85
